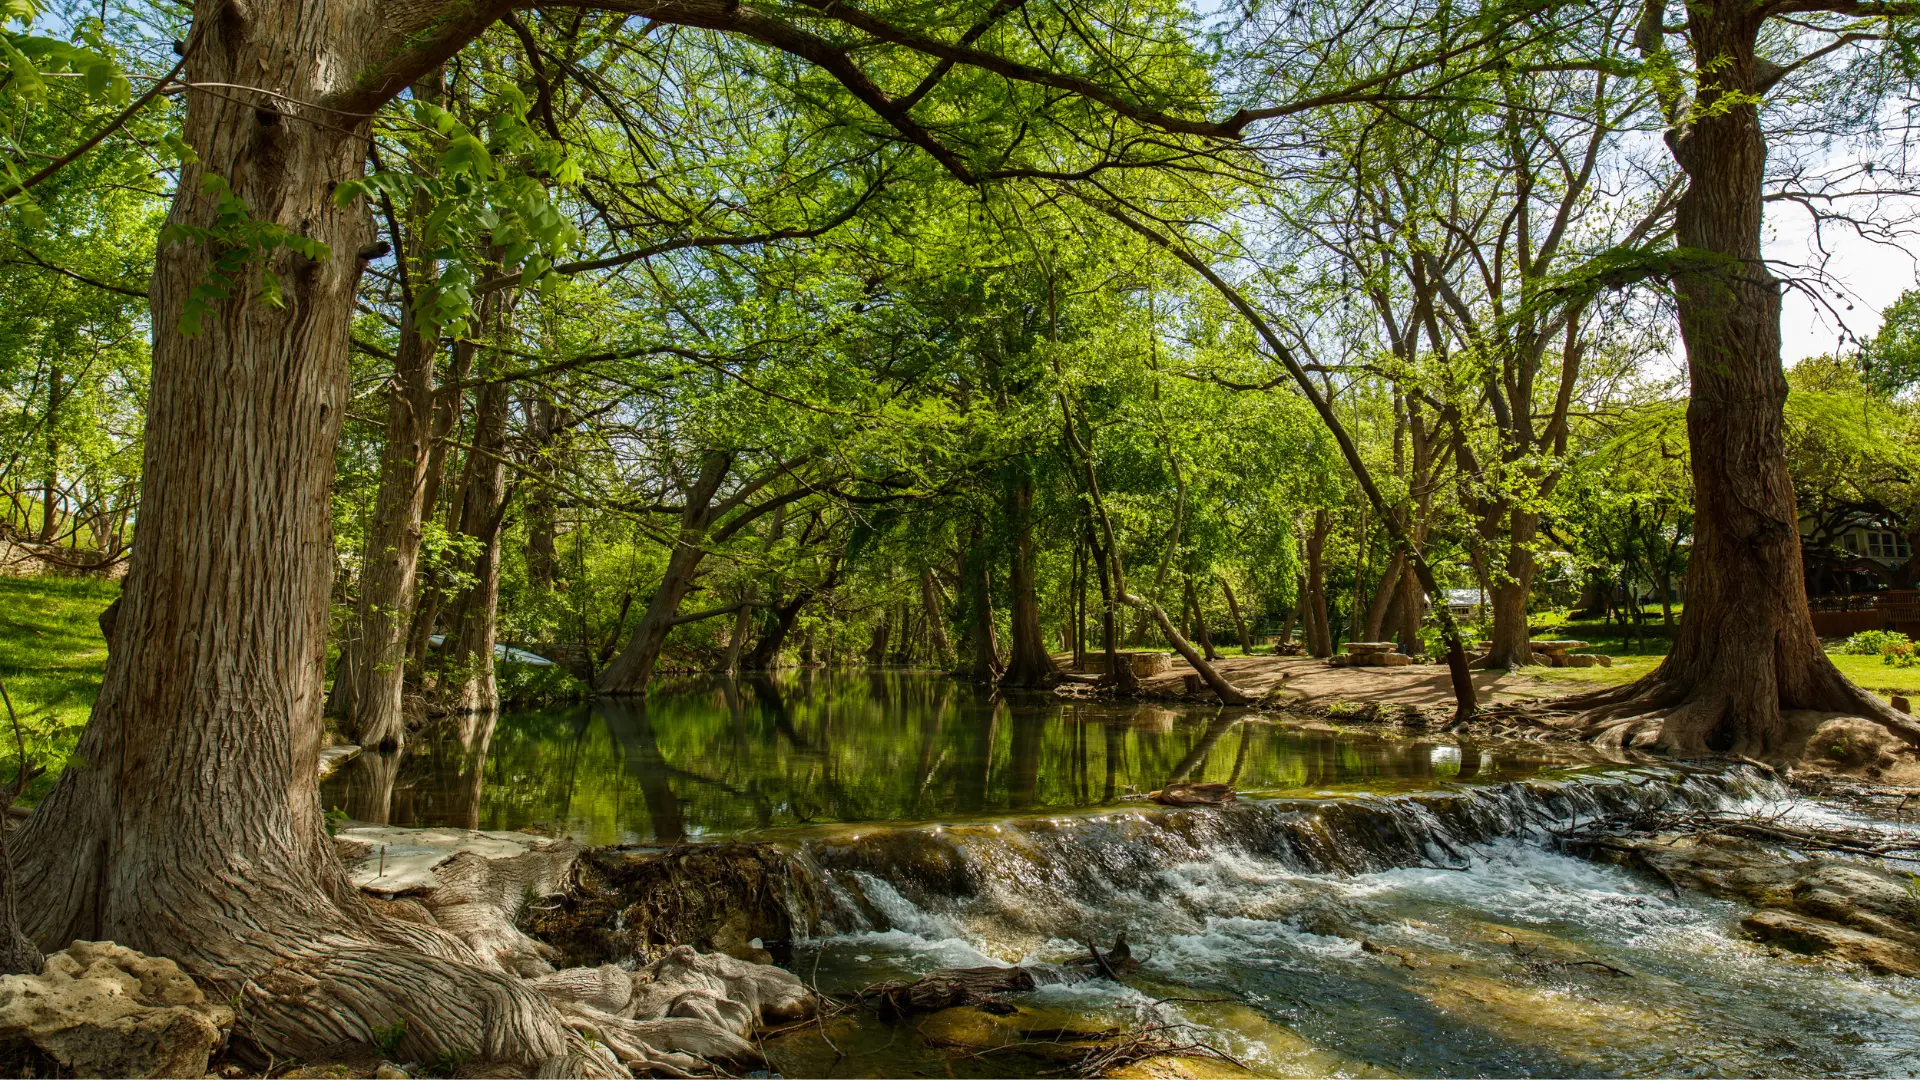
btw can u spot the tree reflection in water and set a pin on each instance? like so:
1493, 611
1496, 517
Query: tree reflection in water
721, 757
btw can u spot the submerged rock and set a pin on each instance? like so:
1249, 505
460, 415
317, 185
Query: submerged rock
1847, 909
1803, 934
99, 1009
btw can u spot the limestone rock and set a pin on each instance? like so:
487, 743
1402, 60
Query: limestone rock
103, 1010
1808, 935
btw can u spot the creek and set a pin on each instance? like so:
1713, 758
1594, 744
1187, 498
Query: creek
1372, 905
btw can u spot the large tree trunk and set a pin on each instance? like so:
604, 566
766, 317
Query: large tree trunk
1746, 648
629, 672
194, 828
1028, 663
1410, 610
469, 686
370, 678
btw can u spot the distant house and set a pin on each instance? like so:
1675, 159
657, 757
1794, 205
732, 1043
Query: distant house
1851, 553
1466, 603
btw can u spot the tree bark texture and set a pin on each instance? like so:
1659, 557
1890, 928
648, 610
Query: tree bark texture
1511, 630
1384, 596
190, 825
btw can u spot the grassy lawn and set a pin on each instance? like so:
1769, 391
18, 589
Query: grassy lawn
1874, 674
51, 656
1624, 669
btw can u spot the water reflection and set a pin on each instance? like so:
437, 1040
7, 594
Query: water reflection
725, 756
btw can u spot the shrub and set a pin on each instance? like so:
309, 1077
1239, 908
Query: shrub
1874, 642
535, 684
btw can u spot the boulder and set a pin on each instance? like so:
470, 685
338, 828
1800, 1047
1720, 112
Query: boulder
103, 1010
1581, 660
1391, 659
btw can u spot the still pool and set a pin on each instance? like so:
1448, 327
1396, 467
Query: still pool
722, 758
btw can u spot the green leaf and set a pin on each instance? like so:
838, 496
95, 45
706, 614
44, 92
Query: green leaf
26, 78
466, 155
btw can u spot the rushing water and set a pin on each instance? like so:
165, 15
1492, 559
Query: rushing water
1372, 906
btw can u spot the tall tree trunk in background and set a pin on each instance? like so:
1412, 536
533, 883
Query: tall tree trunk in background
742, 623
982, 646
1239, 621
543, 428
629, 672
449, 403
1746, 648
1413, 603
1512, 585
1200, 631
469, 686
1319, 635
50, 488
370, 678
1028, 664
931, 601
1119, 674
1384, 596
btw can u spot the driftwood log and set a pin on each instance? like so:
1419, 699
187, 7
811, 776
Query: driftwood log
951, 987
1193, 795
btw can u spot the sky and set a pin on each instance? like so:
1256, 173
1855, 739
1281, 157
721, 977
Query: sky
1869, 276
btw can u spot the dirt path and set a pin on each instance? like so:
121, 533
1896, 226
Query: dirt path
1312, 683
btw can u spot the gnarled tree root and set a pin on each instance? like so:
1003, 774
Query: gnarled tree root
443, 977
1661, 711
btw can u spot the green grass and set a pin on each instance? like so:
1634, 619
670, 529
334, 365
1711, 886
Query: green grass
1625, 669
51, 657
1652, 638
1874, 674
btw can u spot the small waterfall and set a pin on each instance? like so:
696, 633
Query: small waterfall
1072, 877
